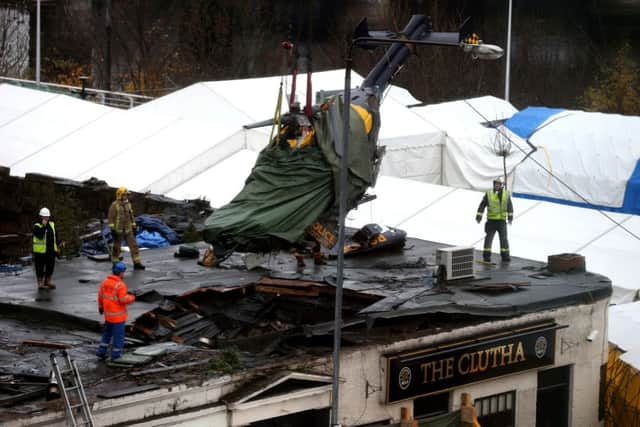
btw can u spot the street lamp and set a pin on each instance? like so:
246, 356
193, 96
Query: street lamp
507, 72
478, 50
38, 42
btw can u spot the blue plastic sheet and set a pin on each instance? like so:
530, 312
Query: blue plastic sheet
150, 233
151, 239
631, 202
524, 123
145, 222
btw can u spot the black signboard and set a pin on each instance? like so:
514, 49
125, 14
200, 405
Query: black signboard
437, 369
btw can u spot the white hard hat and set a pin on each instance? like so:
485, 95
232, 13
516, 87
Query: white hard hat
45, 212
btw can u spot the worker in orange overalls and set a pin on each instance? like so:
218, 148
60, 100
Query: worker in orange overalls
113, 299
123, 226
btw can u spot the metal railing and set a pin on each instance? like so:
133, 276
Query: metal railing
104, 97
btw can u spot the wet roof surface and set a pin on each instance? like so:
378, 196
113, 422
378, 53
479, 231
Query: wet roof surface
262, 307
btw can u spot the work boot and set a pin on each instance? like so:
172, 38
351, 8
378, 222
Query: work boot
300, 260
319, 261
48, 283
138, 266
41, 283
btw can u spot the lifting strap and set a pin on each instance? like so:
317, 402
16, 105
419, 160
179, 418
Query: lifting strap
277, 116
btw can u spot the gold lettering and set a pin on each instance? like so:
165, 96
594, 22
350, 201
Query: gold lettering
474, 364
437, 369
483, 366
425, 372
519, 353
463, 371
506, 354
495, 351
449, 369
469, 363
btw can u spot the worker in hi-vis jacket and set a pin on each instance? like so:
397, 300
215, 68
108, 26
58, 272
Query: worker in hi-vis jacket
499, 211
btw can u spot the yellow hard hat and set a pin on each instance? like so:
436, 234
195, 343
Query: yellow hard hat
121, 192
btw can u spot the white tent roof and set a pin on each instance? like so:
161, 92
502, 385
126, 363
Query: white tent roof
594, 153
450, 115
624, 323
31, 121
221, 183
469, 159
446, 215
162, 144
257, 97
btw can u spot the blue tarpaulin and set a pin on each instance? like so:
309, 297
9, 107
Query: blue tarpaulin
145, 222
588, 133
524, 123
150, 233
631, 203
151, 239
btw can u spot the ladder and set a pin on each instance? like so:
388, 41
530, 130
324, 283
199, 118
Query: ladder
72, 391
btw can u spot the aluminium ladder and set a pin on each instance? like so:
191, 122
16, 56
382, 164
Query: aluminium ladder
72, 391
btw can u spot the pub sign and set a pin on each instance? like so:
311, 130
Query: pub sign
428, 371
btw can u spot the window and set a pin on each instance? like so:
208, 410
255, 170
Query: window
552, 405
430, 406
497, 410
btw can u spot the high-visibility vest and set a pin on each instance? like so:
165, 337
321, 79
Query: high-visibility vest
40, 245
113, 299
497, 209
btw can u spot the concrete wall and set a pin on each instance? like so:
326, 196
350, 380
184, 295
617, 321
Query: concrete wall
73, 204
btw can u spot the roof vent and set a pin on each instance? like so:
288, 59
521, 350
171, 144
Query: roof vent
458, 261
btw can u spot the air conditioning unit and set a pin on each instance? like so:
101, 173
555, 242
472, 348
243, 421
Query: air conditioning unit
458, 261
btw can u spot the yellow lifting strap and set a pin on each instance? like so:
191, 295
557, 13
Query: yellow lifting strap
277, 115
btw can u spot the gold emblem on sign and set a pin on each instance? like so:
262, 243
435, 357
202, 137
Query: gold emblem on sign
404, 378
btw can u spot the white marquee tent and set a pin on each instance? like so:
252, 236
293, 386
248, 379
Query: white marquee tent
596, 154
540, 228
172, 139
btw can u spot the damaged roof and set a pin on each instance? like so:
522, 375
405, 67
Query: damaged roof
204, 323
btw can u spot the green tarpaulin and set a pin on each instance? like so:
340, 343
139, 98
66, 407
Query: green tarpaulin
288, 190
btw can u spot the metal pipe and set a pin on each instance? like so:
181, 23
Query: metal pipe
417, 22
507, 72
38, 42
441, 39
342, 212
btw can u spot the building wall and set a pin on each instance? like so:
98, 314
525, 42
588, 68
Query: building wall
364, 381
364, 370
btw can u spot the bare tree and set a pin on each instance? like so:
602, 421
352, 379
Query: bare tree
144, 39
14, 39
